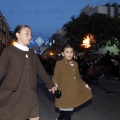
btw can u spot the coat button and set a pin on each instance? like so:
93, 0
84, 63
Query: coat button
74, 77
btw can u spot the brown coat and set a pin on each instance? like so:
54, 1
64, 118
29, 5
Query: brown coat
12, 62
74, 92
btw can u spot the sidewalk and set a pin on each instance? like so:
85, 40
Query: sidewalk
105, 104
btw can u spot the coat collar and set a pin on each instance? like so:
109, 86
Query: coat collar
21, 47
69, 62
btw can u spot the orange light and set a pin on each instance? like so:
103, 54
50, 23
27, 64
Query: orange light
87, 40
51, 53
12, 42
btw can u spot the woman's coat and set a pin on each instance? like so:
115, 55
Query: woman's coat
74, 92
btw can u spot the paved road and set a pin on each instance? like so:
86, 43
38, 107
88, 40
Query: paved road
105, 104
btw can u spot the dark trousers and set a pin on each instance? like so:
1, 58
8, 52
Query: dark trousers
65, 115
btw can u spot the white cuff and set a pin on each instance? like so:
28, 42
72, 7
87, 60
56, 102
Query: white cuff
56, 85
86, 86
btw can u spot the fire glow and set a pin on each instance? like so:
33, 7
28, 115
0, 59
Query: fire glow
87, 41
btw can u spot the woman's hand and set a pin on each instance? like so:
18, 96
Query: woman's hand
53, 89
89, 88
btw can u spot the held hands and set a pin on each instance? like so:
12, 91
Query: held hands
53, 89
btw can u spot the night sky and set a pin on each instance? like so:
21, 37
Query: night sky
44, 16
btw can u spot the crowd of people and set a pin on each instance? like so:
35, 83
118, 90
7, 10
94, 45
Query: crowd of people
103, 65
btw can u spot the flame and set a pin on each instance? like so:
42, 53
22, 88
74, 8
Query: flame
87, 41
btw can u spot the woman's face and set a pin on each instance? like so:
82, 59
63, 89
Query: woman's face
68, 53
24, 36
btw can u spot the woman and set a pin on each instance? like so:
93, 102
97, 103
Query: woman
19, 66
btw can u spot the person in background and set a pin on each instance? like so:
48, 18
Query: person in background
107, 65
101, 65
74, 90
19, 66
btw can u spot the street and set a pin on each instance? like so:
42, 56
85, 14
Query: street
105, 104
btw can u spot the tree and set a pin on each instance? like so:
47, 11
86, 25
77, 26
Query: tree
115, 31
76, 29
102, 27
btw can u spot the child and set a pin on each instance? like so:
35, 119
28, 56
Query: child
19, 66
74, 90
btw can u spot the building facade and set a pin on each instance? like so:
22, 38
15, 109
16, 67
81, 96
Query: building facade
61, 34
4, 32
108, 9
